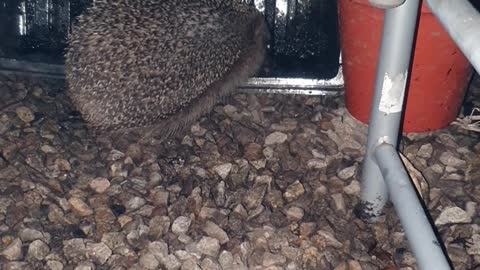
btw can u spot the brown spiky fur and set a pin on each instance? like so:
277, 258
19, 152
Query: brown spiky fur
156, 66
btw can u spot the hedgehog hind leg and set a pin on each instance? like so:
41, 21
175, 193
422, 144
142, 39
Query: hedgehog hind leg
247, 65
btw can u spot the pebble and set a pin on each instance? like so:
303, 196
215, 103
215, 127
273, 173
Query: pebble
209, 246
316, 164
223, 170
213, 230
80, 207
190, 265
74, 249
135, 203
25, 114
113, 239
295, 213
54, 265
159, 197
353, 188
197, 130
270, 259
181, 225
339, 202
159, 249
276, 138
148, 261
17, 266
226, 260
28, 235
209, 264
474, 247
13, 251
99, 252
37, 250
451, 215
171, 262
99, 185
425, 151
347, 173
448, 159
294, 191
254, 197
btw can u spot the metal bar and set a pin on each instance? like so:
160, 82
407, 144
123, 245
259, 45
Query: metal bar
392, 72
420, 235
462, 22
297, 86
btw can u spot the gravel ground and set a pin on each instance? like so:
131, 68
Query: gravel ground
263, 182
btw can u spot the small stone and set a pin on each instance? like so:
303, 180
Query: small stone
63, 165
425, 151
223, 170
159, 249
99, 252
230, 110
171, 263
85, 266
254, 197
124, 220
209, 246
270, 259
253, 151
354, 265
240, 211
13, 251
113, 239
307, 228
181, 225
213, 230
276, 138
99, 185
74, 249
353, 188
37, 250
159, 197
47, 149
209, 264
453, 215
316, 164
54, 265
329, 239
159, 226
197, 130
295, 213
80, 207
190, 265
274, 199
226, 259
148, 261
25, 114
447, 158
474, 248
28, 235
135, 203
347, 173
294, 191
339, 202
16, 266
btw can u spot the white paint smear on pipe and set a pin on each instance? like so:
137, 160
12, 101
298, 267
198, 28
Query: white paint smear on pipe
393, 92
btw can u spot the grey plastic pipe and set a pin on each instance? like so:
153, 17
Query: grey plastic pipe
420, 235
462, 22
386, 113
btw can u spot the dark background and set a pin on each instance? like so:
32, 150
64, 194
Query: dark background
304, 33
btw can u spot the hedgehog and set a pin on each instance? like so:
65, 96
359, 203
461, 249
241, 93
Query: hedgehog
156, 66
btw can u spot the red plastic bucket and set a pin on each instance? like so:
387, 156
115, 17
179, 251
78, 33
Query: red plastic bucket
440, 71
